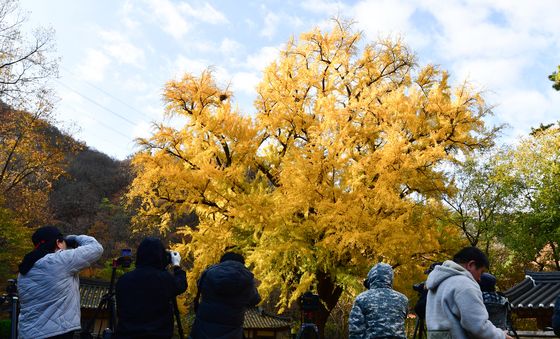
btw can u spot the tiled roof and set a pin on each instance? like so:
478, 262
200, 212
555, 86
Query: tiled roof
91, 292
537, 290
259, 319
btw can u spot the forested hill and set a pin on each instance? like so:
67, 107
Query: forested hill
48, 177
88, 198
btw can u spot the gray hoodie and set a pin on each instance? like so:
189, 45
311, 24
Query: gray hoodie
455, 308
49, 292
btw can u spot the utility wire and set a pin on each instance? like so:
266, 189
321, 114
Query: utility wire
124, 149
127, 137
108, 94
96, 103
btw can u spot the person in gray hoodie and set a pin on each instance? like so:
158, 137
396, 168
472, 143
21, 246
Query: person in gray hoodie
48, 283
455, 308
380, 311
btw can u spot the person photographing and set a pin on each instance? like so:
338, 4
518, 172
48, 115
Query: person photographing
225, 291
455, 307
48, 283
145, 295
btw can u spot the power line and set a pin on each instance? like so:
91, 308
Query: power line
97, 104
105, 139
105, 125
108, 94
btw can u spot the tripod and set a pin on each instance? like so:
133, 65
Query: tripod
419, 328
308, 329
13, 306
108, 301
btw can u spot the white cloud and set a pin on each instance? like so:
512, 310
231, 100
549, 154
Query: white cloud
202, 46
185, 64
523, 109
245, 82
470, 31
206, 13
530, 15
143, 129
222, 75
126, 15
380, 18
156, 112
328, 7
75, 113
229, 47
170, 17
295, 22
250, 23
68, 96
490, 73
177, 19
134, 83
94, 66
118, 46
263, 57
500, 46
271, 22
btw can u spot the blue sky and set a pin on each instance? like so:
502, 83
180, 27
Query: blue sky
117, 55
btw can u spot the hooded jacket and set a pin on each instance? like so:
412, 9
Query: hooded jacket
227, 290
556, 317
49, 293
455, 308
379, 312
145, 295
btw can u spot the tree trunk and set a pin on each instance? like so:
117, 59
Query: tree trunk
329, 293
555, 255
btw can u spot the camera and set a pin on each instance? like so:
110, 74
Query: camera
71, 242
12, 307
309, 302
419, 287
11, 291
125, 260
167, 258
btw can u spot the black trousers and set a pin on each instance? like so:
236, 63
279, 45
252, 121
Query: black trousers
69, 335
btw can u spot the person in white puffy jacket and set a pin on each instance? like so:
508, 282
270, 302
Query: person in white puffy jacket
48, 283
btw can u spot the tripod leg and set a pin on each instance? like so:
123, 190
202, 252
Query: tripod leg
86, 331
14, 317
300, 332
415, 328
178, 319
421, 328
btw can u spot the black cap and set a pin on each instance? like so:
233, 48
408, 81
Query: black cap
45, 234
432, 266
471, 254
233, 256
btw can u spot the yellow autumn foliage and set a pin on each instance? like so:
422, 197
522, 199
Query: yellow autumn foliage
338, 169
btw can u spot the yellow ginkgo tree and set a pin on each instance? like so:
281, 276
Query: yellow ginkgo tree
339, 168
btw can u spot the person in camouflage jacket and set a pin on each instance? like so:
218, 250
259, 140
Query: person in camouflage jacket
380, 311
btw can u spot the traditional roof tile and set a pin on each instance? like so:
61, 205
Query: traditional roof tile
259, 319
537, 290
91, 292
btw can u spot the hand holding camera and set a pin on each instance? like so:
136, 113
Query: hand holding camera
175, 258
71, 241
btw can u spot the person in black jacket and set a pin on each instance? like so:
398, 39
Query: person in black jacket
145, 295
556, 317
226, 291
